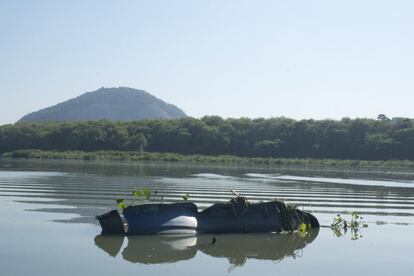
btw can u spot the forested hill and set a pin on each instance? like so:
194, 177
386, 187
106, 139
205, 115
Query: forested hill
116, 104
365, 139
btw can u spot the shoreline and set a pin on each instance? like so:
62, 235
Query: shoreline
220, 159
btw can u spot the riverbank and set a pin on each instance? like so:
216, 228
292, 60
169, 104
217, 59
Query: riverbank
220, 159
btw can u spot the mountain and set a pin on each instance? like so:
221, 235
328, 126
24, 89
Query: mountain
116, 104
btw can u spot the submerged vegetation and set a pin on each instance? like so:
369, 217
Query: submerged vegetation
280, 138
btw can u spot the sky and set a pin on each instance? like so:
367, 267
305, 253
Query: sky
234, 58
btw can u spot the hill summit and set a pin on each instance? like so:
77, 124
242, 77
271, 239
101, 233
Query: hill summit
115, 104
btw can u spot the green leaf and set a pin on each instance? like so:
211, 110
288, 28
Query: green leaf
137, 193
302, 227
121, 203
186, 196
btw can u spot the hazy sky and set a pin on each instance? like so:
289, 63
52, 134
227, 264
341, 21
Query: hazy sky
300, 59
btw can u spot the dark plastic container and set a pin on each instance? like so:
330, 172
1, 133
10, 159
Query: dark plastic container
111, 223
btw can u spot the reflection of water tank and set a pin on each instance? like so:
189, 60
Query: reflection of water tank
182, 244
237, 248
159, 249
109, 244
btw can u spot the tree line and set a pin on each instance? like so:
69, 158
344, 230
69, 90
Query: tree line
366, 139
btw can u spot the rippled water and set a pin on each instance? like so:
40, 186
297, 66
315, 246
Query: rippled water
47, 221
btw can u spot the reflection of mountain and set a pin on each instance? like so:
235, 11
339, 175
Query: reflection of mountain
237, 248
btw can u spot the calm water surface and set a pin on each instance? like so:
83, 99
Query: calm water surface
47, 224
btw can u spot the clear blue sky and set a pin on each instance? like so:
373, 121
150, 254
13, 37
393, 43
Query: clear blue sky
300, 59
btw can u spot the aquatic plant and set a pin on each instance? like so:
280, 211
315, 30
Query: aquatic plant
186, 196
140, 194
137, 194
340, 226
121, 203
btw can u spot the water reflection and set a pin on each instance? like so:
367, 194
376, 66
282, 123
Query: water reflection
89, 188
109, 244
156, 249
236, 248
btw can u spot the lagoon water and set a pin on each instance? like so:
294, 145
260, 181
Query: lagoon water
47, 224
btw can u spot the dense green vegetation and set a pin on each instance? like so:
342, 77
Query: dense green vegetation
358, 139
220, 159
